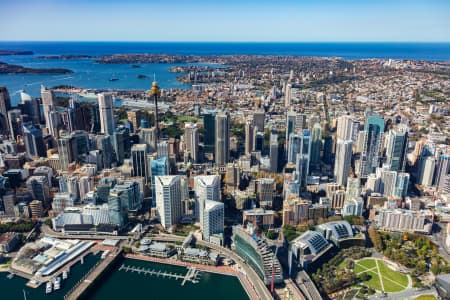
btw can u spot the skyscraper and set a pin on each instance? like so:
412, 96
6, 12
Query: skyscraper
342, 163
288, 95
15, 122
397, 146
258, 119
213, 219
249, 137
168, 199
139, 161
316, 145
206, 187
105, 104
191, 140
426, 170
39, 188
222, 138
48, 99
401, 185
5, 101
148, 136
442, 169
34, 143
373, 134
65, 152
273, 152
158, 167
130, 195
30, 107
209, 124
347, 128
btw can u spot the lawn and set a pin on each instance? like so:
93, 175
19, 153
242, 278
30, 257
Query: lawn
368, 263
400, 278
393, 281
425, 297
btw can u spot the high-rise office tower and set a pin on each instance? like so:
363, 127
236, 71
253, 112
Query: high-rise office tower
39, 188
158, 167
105, 105
139, 161
401, 185
388, 181
48, 103
85, 185
105, 146
121, 144
54, 119
222, 138
130, 194
373, 135
65, 152
15, 122
273, 144
206, 187
34, 142
213, 219
426, 170
288, 96
148, 136
347, 128
302, 157
396, 149
5, 101
168, 199
191, 140
342, 163
30, 107
163, 149
258, 119
117, 211
209, 124
442, 169
316, 146
249, 137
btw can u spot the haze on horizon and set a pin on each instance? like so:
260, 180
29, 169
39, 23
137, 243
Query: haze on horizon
232, 20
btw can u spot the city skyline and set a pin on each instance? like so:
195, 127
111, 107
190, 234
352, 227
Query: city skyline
234, 21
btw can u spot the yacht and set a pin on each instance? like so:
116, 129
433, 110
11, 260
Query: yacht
57, 283
10, 276
48, 287
64, 274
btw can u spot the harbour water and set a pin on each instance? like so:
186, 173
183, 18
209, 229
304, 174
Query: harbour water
12, 289
123, 285
88, 74
128, 285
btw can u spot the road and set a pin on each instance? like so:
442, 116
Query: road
46, 230
258, 285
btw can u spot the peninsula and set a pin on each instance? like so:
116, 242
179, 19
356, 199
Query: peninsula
16, 69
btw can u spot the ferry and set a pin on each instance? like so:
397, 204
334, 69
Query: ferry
57, 283
113, 79
48, 287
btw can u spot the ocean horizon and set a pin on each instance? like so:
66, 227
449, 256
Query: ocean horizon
88, 74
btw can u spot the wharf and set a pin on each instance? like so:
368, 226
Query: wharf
85, 283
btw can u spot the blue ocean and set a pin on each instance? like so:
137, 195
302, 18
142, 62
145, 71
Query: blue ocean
88, 74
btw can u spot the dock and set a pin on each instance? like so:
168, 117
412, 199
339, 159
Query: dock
191, 274
85, 283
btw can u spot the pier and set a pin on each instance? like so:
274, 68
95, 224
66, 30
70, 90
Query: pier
85, 283
191, 274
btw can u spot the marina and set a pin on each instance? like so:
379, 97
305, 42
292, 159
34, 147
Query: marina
191, 275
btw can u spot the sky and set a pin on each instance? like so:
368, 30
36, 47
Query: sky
230, 20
